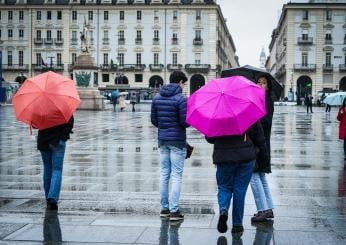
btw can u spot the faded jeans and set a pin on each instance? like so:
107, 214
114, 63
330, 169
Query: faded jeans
53, 160
172, 164
261, 193
233, 180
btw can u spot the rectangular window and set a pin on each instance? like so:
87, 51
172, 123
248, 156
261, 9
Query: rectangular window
90, 15
59, 15
58, 35
38, 35
105, 34
74, 15
105, 78
10, 33
74, 58
105, 15
328, 59
0, 15
10, 15
9, 58
38, 15
49, 15
328, 36
198, 14
305, 14
74, 35
0, 34
175, 14
121, 35
156, 15
21, 33
198, 34
138, 78
304, 59
305, 36
139, 15
122, 15
105, 59
21, 57
328, 15
38, 59
197, 58
21, 15
58, 58
156, 34
138, 58
174, 58
156, 58
139, 35
49, 35
121, 59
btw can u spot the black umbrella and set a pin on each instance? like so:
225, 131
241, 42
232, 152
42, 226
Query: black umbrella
252, 73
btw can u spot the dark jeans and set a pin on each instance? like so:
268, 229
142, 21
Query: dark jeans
233, 179
53, 160
328, 107
307, 108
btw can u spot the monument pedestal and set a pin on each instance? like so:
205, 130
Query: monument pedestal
90, 99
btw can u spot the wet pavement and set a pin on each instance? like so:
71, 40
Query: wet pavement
110, 192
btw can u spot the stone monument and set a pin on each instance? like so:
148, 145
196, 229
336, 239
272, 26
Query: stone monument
84, 72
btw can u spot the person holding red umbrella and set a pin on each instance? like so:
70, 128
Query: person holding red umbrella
51, 142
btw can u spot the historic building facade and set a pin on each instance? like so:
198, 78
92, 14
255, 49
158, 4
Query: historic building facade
135, 44
308, 48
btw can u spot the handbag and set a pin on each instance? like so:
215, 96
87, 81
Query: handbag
189, 150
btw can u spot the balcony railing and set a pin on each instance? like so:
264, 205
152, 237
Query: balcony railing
15, 67
342, 67
305, 41
328, 67
58, 41
58, 67
108, 67
197, 41
121, 41
328, 41
138, 41
131, 67
42, 68
38, 40
175, 41
203, 68
304, 67
156, 67
174, 67
48, 41
156, 41
74, 41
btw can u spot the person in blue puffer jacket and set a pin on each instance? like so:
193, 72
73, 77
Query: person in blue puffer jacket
168, 114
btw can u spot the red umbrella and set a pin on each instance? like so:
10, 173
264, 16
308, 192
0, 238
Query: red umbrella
46, 100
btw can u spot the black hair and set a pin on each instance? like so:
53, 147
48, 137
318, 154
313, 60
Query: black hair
269, 82
177, 76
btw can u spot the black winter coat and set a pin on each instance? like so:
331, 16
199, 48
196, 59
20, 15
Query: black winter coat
240, 148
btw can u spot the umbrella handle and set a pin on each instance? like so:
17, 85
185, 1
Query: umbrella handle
30, 129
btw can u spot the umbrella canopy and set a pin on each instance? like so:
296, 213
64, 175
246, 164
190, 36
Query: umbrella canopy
335, 98
46, 100
226, 106
253, 73
115, 94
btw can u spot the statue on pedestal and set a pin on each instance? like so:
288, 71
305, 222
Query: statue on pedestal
84, 38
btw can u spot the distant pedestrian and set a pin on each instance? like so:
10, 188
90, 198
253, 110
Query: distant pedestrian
308, 103
342, 126
259, 184
122, 103
133, 100
328, 107
52, 143
168, 114
234, 157
114, 99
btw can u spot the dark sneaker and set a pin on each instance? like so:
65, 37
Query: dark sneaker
237, 231
164, 213
176, 216
222, 224
259, 217
52, 204
222, 240
269, 214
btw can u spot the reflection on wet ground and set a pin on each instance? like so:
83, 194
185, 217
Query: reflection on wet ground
110, 191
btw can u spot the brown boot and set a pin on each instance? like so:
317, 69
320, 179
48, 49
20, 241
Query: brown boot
269, 213
259, 217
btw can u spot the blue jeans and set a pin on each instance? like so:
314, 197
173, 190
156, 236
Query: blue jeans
261, 193
233, 179
53, 160
172, 164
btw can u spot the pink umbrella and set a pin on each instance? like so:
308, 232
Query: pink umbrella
226, 106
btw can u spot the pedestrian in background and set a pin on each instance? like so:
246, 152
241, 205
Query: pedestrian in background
342, 126
308, 103
259, 183
234, 157
52, 144
122, 103
133, 100
168, 114
328, 107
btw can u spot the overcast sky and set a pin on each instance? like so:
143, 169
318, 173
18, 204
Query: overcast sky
251, 23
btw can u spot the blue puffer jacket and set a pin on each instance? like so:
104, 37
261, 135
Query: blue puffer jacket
168, 114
